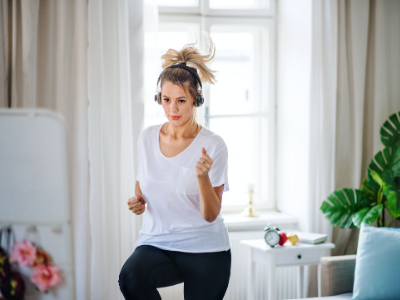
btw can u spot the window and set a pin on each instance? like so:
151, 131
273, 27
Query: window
241, 105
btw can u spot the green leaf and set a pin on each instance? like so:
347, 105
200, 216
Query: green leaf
396, 161
392, 204
375, 176
369, 191
368, 215
341, 205
390, 130
373, 214
382, 161
359, 216
392, 192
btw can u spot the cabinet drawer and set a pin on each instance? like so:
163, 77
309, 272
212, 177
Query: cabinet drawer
301, 256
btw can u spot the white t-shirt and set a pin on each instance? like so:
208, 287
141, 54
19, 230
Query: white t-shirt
172, 220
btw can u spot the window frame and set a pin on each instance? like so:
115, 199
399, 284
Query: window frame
207, 17
204, 9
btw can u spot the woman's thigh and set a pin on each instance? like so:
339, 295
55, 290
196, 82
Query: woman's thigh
145, 270
206, 275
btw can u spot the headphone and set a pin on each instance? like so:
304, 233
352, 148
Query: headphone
199, 97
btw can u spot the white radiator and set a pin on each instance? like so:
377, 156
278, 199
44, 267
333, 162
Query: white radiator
285, 277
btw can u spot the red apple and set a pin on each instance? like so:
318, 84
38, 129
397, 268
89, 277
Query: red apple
283, 238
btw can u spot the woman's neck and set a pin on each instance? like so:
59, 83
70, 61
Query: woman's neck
188, 130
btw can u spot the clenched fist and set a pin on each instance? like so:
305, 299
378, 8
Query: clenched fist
137, 204
204, 164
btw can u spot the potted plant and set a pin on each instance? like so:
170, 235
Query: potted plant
380, 191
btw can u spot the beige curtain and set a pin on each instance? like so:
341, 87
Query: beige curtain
43, 63
368, 92
355, 87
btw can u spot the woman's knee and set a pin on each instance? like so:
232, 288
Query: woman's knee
130, 280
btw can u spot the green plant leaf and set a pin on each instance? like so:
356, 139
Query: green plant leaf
369, 191
368, 215
396, 161
342, 204
383, 160
359, 216
373, 214
392, 192
392, 204
390, 130
375, 176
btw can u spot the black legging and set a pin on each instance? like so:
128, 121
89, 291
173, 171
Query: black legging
205, 275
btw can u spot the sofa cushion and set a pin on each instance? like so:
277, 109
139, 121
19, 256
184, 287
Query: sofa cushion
377, 270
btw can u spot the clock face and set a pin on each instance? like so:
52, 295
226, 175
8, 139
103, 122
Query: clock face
272, 237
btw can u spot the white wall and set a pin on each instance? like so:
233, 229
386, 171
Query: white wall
293, 94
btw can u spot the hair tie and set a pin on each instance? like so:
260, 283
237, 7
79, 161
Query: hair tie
183, 63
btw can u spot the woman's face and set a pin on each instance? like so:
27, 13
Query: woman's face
178, 108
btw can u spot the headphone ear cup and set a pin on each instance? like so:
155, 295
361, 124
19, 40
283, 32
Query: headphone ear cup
199, 100
158, 98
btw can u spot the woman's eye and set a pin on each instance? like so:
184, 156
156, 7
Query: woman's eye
182, 101
166, 100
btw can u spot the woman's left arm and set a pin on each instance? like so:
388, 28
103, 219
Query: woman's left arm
210, 198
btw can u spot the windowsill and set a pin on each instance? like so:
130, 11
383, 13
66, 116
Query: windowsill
236, 222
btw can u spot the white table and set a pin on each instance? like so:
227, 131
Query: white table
298, 255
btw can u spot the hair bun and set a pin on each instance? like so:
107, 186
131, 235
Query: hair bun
189, 55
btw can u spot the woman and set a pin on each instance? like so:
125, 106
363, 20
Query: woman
182, 175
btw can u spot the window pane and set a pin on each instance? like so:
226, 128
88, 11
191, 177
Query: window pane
170, 35
246, 139
179, 3
239, 64
239, 4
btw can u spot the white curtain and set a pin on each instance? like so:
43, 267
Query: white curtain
43, 46
85, 61
114, 83
354, 88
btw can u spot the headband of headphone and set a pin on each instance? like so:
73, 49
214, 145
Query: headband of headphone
199, 97
183, 66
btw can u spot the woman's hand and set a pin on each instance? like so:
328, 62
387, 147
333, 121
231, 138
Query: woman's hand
204, 164
137, 204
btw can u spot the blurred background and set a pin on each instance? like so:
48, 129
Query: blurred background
303, 87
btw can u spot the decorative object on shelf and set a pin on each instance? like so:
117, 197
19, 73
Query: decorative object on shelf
12, 286
349, 208
5, 266
44, 274
283, 238
293, 238
249, 211
23, 253
45, 277
312, 238
271, 236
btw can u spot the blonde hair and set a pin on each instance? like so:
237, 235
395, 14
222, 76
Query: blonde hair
192, 57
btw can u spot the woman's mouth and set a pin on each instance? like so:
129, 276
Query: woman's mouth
175, 117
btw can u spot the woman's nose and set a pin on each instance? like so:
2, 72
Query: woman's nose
174, 107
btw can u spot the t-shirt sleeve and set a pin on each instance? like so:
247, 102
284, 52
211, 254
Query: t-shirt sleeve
139, 175
219, 170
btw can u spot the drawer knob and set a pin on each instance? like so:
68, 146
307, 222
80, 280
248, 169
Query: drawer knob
299, 256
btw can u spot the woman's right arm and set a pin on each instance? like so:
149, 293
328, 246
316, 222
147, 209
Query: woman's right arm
137, 203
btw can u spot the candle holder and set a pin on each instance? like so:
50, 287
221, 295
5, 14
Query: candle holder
249, 211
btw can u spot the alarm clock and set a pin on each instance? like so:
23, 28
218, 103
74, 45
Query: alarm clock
272, 237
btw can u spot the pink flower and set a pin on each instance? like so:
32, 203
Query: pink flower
24, 253
46, 276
